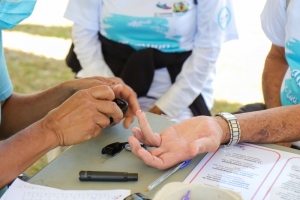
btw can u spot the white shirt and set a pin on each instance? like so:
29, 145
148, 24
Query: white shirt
202, 29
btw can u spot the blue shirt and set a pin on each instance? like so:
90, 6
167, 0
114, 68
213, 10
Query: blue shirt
6, 87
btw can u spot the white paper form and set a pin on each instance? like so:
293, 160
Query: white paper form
18, 184
252, 171
26, 191
287, 182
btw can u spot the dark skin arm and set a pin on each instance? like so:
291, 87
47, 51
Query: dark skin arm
273, 73
19, 111
79, 118
66, 114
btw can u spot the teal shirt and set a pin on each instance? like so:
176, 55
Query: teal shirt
6, 87
290, 89
2, 191
5, 83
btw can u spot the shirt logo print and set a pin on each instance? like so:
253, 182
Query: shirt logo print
163, 6
180, 7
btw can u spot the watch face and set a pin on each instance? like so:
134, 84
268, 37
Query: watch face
137, 196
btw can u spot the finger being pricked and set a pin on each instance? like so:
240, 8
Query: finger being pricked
145, 134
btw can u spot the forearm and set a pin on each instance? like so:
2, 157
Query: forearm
24, 148
19, 111
274, 125
271, 126
274, 71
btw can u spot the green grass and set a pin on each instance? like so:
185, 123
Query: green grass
224, 106
51, 31
37, 166
30, 74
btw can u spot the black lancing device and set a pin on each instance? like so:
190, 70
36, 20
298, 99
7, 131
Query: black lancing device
123, 105
107, 176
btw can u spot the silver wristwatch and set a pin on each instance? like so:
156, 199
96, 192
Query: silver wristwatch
234, 128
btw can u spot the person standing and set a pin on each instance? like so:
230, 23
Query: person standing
165, 51
281, 73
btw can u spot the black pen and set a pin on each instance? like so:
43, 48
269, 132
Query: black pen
107, 176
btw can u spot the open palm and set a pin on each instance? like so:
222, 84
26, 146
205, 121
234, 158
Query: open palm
176, 143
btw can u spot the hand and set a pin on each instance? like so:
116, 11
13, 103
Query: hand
83, 115
156, 110
123, 91
176, 143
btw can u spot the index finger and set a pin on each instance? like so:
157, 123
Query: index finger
102, 92
128, 94
149, 137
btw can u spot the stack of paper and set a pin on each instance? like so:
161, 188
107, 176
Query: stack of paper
22, 190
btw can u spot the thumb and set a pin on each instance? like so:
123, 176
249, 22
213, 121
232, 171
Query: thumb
202, 145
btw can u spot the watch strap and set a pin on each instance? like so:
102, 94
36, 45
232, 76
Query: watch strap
234, 128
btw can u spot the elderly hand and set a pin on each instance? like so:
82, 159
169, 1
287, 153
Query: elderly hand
83, 115
124, 92
176, 143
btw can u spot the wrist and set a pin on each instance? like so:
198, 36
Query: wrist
50, 137
234, 128
225, 130
67, 88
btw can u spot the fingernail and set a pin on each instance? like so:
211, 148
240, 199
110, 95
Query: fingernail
116, 85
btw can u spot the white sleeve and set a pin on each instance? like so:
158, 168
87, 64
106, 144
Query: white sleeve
86, 17
88, 50
86, 13
212, 31
273, 21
